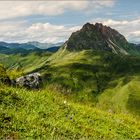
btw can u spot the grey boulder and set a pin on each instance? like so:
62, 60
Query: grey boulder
30, 81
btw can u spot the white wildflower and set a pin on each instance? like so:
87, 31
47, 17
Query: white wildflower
65, 102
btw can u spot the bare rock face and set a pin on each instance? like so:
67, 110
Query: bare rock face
31, 81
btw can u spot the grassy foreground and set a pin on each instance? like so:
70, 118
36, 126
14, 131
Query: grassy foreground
44, 114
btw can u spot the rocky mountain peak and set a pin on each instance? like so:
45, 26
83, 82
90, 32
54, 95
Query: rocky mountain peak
88, 26
98, 25
97, 37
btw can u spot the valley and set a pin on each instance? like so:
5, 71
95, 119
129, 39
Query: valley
90, 89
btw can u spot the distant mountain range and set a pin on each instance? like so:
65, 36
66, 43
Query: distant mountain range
45, 45
13, 48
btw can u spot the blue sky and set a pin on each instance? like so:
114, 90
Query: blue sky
54, 21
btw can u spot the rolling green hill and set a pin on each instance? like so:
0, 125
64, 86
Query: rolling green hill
88, 76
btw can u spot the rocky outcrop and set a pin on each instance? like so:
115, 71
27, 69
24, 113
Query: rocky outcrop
98, 37
30, 81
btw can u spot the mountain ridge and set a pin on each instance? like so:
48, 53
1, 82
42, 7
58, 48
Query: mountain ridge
23, 48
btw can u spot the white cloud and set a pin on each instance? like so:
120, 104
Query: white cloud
43, 32
12, 9
46, 32
20, 31
129, 28
136, 33
101, 3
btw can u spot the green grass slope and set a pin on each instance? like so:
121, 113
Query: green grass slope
102, 79
22, 64
86, 94
46, 115
122, 98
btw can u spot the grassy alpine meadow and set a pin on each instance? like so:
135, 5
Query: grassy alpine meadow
19, 64
67, 72
44, 114
85, 95
107, 81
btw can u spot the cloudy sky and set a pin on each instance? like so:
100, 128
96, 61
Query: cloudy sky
54, 21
